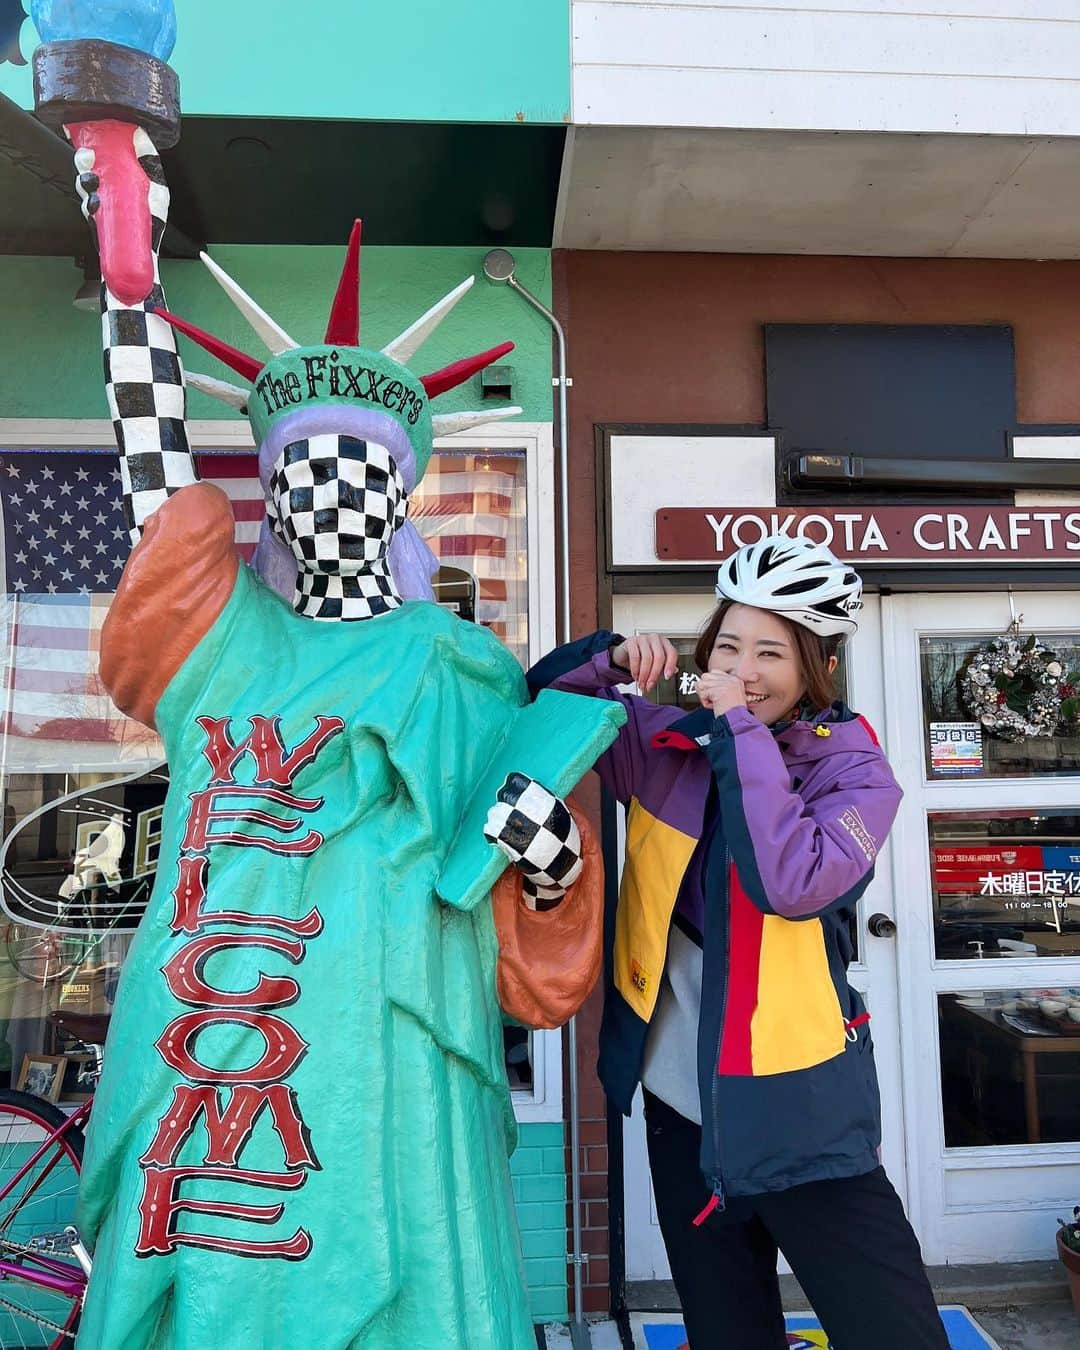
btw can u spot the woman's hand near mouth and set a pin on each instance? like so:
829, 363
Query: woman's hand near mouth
720, 692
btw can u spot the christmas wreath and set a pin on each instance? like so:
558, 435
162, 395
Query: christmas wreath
1017, 688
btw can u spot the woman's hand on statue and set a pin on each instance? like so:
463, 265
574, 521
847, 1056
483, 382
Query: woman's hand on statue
720, 693
648, 657
536, 831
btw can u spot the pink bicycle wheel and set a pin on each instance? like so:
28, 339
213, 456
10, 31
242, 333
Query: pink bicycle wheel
35, 1206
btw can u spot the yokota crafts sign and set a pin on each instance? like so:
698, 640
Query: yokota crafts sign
885, 534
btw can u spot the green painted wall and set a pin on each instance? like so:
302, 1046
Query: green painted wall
411, 60
538, 1169
51, 359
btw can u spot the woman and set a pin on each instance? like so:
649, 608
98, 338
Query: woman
753, 828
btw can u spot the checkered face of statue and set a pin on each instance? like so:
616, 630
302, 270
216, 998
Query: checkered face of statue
336, 501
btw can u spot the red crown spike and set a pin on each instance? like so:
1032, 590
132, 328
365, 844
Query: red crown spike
457, 373
343, 330
239, 361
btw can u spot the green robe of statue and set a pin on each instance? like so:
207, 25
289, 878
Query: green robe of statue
325, 1055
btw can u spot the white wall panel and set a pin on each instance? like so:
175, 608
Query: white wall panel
1036, 10
648, 472
731, 38
873, 65
1046, 447
1025, 1186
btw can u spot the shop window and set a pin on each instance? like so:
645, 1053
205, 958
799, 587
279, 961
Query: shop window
1005, 883
957, 746
1010, 1066
79, 857
471, 510
82, 786
681, 690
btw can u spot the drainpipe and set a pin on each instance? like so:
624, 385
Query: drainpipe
499, 267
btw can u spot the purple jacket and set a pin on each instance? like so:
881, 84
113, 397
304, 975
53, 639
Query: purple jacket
797, 815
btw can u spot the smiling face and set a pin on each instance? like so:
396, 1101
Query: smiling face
759, 648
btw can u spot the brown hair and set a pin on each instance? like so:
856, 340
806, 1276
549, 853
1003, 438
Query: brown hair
813, 652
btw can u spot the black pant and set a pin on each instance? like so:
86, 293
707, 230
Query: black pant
848, 1242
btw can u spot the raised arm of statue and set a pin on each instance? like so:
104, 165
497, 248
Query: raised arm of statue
101, 78
118, 166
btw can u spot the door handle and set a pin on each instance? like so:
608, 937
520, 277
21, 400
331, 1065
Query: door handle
880, 925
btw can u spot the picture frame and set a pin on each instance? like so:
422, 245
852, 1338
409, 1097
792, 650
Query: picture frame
71, 1090
43, 1076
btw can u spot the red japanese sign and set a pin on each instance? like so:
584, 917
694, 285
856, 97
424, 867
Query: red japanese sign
961, 871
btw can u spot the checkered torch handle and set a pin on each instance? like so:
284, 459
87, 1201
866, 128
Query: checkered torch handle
144, 380
536, 831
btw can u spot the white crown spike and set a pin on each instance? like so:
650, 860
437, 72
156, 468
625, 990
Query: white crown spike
407, 344
452, 424
273, 336
224, 392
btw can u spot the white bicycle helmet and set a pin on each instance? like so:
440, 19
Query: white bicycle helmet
795, 578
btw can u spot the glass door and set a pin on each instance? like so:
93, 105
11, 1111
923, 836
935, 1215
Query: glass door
986, 868
873, 972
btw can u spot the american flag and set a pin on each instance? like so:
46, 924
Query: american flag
63, 545
470, 509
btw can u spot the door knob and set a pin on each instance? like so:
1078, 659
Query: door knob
880, 925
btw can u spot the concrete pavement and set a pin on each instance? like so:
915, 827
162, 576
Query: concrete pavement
1039, 1326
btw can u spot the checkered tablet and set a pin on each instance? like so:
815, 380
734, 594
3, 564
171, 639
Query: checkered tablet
539, 835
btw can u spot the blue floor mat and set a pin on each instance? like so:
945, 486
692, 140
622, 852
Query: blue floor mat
665, 1331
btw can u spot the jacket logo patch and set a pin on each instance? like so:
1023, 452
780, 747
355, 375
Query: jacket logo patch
639, 978
853, 823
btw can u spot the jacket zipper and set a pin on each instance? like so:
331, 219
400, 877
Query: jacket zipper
718, 1183
718, 1200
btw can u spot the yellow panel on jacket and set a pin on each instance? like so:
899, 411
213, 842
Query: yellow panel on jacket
798, 1021
657, 856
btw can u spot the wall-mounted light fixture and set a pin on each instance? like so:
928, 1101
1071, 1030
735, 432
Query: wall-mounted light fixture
498, 381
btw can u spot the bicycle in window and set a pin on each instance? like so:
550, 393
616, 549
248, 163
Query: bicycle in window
44, 1267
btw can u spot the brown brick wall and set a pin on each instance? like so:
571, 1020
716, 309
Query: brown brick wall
594, 1164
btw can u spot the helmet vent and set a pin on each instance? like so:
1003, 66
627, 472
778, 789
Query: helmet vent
799, 587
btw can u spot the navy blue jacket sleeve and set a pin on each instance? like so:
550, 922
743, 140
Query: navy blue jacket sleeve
565, 659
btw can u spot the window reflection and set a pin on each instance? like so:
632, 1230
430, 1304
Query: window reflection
79, 858
681, 690
1010, 1063
955, 745
1005, 883
517, 1048
471, 511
